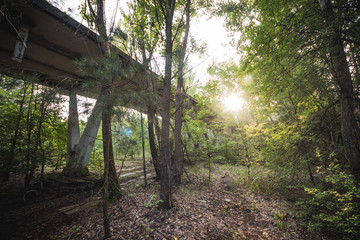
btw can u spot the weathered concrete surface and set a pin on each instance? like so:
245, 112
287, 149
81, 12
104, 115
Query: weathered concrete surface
54, 42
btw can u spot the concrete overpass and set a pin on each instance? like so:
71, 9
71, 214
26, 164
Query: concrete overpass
39, 41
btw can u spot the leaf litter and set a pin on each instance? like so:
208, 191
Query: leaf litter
203, 210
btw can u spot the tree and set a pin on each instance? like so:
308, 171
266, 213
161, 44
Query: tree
10, 158
167, 9
110, 176
142, 26
151, 22
342, 75
293, 61
178, 156
31, 120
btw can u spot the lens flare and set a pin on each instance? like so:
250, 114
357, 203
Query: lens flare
233, 102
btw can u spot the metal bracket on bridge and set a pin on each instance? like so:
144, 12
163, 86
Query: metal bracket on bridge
20, 44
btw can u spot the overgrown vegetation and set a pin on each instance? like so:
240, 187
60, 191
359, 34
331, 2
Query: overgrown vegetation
295, 137
33, 132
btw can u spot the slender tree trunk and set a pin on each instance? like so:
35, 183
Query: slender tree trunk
143, 147
165, 181
151, 123
349, 127
178, 158
41, 148
107, 86
106, 131
35, 154
151, 110
109, 175
153, 149
29, 127
11, 157
114, 183
157, 129
106, 114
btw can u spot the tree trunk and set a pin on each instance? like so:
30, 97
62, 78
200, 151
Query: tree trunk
178, 157
349, 128
153, 149
165, 181
34, 163
143, 147
106, 131
29, 128
114, 183
106, 117
157, 129
151, 109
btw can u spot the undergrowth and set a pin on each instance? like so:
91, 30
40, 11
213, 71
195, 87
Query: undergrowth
334, 205
331, 207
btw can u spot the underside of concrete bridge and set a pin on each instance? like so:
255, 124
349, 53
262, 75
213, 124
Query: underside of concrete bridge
40, 42
38, 39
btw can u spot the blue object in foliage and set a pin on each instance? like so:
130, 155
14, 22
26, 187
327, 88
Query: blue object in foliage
127, 132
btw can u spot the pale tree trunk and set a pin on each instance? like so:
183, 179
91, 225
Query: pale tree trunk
73, 123
178, 157
165, 181
349, 127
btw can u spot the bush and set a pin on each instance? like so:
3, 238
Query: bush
334, 206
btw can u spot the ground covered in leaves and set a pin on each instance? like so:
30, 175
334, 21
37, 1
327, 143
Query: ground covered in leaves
216, 209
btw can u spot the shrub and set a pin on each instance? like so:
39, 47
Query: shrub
334, 206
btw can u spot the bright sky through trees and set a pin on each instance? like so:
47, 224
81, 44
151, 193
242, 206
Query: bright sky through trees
233, 102
203, 28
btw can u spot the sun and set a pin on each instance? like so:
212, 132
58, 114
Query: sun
233, 102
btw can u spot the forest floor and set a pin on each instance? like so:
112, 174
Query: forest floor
216, 209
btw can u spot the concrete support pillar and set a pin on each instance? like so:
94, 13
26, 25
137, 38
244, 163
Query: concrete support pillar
79, 148
73, 136
86, 143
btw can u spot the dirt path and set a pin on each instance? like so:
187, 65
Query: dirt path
202, 210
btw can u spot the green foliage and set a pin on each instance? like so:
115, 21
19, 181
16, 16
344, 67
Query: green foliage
280, 220
147, 224
333, 206
33, 131
153, 201
127, 133
96, 160
75, 229
287, 78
